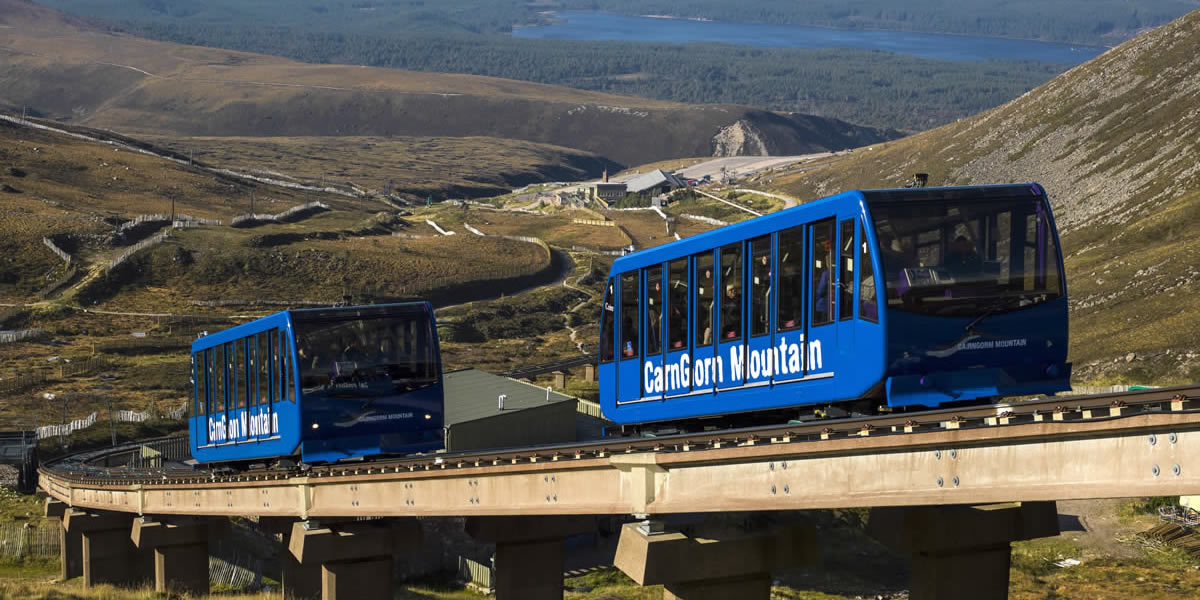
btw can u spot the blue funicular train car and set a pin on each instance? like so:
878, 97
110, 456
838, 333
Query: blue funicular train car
318, 385
867, 300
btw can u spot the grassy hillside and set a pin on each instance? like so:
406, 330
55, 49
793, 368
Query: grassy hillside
1114, 141
417, 167
65, 70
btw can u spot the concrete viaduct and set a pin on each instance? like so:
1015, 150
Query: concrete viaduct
953, 488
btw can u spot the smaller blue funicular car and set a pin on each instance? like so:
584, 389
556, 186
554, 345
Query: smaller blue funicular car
867, 300
318, 385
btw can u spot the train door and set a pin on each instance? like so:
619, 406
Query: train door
677, 367
200, 371
240, 387
731, 346
845, 292
218, 422
791, 266
760, 358
629, 372
608, 334
652, 366
821, 340
261, 367
703, 333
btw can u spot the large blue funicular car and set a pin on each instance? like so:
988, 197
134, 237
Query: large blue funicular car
318, 385
867, 300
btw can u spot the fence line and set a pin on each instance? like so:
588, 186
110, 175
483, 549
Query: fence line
65, 370
597, 251
709, 220
120, 416
594, 222
594, 214
138, 220
474, 231
49, 431
1085, 390
57, 284
589, 408
236, 302
25, 540
184, 221
476, 573
80, 367
10, 337
55, 249
280, 217
22, 540
142, 245
530, 240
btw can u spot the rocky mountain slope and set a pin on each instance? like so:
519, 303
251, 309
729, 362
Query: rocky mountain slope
1115, 142
65, 69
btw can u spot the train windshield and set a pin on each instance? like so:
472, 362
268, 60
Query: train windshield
365, 352
967, 257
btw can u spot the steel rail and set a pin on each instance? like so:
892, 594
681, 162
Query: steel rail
787, 439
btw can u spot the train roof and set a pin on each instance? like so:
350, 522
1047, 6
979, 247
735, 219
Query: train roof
286, 316
770, 222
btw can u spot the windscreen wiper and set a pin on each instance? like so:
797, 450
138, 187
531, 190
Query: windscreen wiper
992, 309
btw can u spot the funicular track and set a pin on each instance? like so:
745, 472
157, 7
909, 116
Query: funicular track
1109, 445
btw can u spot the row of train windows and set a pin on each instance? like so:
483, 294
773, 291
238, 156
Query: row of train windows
252, 371
830, 289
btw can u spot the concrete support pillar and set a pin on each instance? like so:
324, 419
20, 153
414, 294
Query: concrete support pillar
717, 561
529, 552
70, 544
960, 551
180, 547
297, 582
109, 555
351, 560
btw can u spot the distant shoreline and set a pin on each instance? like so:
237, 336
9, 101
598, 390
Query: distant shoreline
677, 18
555, 17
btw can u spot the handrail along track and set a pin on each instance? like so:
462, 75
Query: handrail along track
790, 439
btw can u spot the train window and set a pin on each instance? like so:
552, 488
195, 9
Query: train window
789, 313
240, 380
845, 285
677, 304
731, 298
654, 304
279, 381
704, 298
199, 373
289, 375
606, 325
942, 258
868, 305
219, 373
760, 285
1041, 256
822, 272
630, 316
263, 362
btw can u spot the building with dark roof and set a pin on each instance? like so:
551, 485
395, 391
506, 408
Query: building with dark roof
531, 415
653, 183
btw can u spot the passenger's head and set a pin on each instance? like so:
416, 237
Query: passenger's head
962, 245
